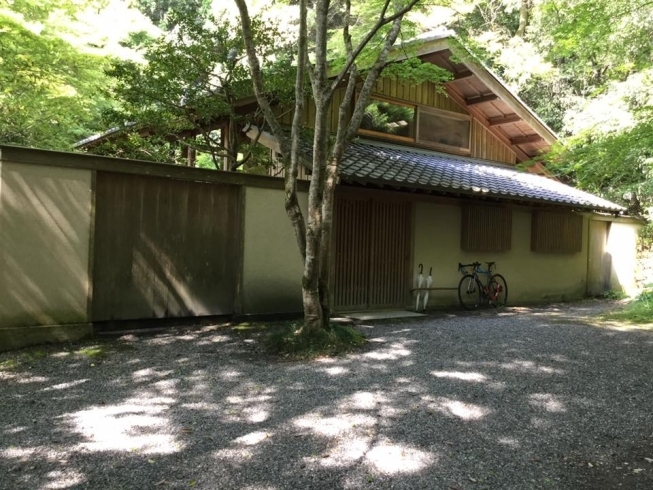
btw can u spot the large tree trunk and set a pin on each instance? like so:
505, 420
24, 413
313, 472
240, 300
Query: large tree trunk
314, 236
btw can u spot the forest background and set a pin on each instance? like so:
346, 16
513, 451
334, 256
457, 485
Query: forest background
73, 68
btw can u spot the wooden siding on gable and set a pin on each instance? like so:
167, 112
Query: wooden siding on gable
425, 94
556, 232
486, 228
483, 144
486, 146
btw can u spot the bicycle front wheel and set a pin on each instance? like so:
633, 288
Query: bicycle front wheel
469, 292
498, 291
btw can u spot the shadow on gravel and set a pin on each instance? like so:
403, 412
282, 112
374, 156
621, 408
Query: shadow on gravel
523, 399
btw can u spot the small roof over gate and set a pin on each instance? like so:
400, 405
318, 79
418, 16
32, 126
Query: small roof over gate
368, 163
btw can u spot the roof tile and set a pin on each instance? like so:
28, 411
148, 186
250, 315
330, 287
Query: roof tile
365, 162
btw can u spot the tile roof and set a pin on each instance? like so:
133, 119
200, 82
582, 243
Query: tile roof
390, 165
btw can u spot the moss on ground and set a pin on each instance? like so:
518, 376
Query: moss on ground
293, 341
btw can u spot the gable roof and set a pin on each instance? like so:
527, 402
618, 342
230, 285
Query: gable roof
485, 96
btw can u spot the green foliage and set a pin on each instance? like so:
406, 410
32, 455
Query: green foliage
614, 294
645, 241
416, 72
189, 88
301, 343
157, 10
617, 165
639, 311
48, 87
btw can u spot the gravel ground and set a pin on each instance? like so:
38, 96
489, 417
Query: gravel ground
523, 399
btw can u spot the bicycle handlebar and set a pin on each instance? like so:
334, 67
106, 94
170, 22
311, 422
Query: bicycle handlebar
473, 264
476, 266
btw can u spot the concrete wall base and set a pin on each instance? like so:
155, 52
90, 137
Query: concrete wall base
18, 337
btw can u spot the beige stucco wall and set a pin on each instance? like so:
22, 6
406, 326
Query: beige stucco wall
272, 265
531, 277
622, 248
45, 227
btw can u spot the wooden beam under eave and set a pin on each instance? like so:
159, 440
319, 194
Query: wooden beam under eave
480, 100
523, 140
481, 118
461, 75
498, 121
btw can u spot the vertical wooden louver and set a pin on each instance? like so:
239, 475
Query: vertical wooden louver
556, 232
372, 253
486, 228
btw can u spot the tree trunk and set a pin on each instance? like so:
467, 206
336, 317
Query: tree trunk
524, 14
314, 236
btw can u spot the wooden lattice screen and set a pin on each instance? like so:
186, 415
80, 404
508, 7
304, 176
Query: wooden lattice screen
556, 232
372, 253
486, 228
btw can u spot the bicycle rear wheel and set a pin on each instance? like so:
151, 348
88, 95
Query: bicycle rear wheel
498, 291
469, 292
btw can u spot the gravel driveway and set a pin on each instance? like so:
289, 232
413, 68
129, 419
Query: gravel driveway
524, 399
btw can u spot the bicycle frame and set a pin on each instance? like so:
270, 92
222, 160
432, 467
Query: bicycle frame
474, 269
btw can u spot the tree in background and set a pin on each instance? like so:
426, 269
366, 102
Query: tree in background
48, 86
363, 34
585, 67
52, 59
187, 96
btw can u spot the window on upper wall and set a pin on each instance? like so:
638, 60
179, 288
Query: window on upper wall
389, 118
425, 126
438, 127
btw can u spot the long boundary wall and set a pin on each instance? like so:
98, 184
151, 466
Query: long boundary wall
48, 230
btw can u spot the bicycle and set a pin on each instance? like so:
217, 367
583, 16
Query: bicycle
472, 292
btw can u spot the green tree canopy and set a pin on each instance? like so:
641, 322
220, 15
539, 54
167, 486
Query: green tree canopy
192, 84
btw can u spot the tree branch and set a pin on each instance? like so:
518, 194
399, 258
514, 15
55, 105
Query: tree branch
383, 20
257, 78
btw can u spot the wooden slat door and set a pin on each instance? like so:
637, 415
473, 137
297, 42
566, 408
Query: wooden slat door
164, 248
372, 253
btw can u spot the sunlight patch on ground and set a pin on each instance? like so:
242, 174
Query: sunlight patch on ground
149, 373
362, 400
18, 452
234, 455
252, 438
252, 409
21, 378
63, 479
230, 374
391, 352
619, 326
334, 426
335, 371
138, 425
530, 367
461, 410
167, 386
391, 459
463, 376
63, 386
511, 442
548, 402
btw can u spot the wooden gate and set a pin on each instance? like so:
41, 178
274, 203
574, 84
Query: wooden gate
372, 253
164, 248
